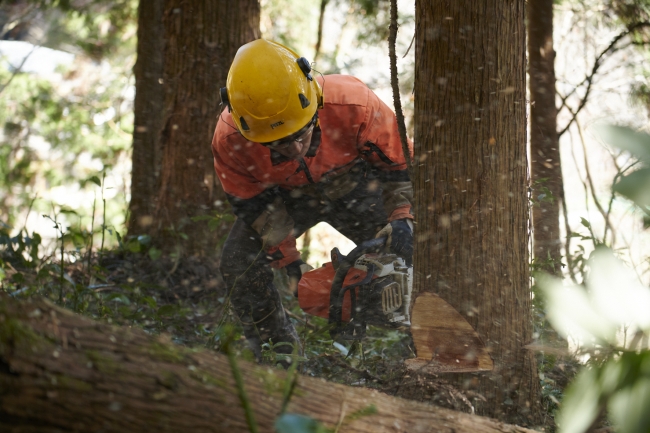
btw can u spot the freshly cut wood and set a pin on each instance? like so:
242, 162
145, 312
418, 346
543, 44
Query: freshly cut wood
444, 341
62, 372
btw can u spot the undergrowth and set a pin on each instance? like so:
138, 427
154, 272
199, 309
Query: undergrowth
184, 297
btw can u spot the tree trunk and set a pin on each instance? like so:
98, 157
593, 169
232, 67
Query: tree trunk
201, 39
545, 169
148, 111
471, 187
62, 372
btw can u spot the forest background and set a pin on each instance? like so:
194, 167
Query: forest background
68, 88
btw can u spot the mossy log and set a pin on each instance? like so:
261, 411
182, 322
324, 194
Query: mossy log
63, 372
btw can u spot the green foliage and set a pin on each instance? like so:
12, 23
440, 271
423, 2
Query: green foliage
96, 28
60, 129
621, 385
20, 250
270, 355
229, 333
617, 377
49, 138
541, 193
295, 423
636, 185
292, 23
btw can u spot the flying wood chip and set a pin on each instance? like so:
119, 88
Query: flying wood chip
444, 341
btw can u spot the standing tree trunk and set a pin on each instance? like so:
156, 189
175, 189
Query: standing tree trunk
201, 39
471, 187
148, 111
545, 168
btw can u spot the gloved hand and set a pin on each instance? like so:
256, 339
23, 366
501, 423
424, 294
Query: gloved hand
294, 272
399, 234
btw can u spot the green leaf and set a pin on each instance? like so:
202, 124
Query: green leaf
149, 301
628, 407
18, 278
133, 246
118, 297
167, 310
572, 312
295, 423
95, 180
585, 222
144, 239
636, 187
66, 210
637, 143
154, 253
363, 412
202, 218
213, 224
581, 404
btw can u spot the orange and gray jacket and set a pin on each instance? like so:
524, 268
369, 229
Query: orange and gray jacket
355, 127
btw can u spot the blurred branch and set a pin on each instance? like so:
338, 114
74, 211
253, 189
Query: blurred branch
567, 242
619, 173
605, 215
18, 18
586, 188
401, 126
319, 38
589, 78
410, 45
18, 69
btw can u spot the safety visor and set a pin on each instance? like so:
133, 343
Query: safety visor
293, 137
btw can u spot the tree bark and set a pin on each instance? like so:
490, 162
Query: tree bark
545, 168
63, 372
148, 111
471, 187
201, 39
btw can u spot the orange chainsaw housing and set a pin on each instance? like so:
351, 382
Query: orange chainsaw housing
315, 286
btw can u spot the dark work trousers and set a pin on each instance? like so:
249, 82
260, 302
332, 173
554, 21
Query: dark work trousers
246, 269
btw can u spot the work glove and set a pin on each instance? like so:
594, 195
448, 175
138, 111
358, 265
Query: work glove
399, 239
294, 273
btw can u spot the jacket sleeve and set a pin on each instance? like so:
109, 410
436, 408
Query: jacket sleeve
381, 146
257, 204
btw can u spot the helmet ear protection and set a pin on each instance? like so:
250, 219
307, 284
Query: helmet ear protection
223, 92
304, 66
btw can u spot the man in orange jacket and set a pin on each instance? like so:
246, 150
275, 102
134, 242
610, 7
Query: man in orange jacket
292, 150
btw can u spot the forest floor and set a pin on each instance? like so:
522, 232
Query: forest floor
186, 299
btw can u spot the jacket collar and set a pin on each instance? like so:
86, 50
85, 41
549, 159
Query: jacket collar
278, 158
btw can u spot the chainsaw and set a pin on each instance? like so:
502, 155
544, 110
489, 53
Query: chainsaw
366, 287
371, 287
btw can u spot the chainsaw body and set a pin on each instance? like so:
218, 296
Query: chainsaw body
365, 287
370, 287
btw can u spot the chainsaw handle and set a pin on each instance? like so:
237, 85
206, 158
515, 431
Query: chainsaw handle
346, 263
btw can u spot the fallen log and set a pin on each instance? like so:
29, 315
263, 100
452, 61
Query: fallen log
63, 372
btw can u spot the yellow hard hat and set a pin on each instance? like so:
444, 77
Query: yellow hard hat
270, 91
